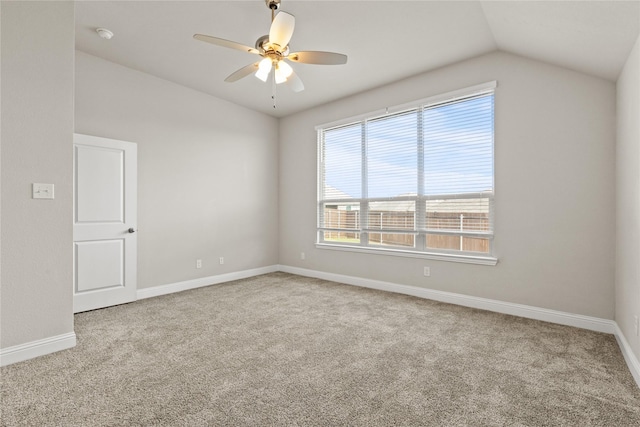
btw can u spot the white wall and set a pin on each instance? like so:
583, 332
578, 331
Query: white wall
207, 171
555, 188
36, 133
628, 199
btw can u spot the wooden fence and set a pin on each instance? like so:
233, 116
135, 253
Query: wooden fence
465, 221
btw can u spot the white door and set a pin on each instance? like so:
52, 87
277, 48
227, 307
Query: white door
104, 222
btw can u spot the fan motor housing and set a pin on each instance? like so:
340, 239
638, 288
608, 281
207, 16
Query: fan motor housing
272, 51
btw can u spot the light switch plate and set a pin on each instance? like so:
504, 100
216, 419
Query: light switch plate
42, 191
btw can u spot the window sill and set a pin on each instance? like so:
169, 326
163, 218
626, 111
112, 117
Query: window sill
465, 259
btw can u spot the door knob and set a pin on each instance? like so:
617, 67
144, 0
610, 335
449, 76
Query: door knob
131, 230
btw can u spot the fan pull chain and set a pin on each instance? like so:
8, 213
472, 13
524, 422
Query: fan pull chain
273, 89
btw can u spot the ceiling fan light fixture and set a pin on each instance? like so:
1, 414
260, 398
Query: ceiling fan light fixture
285, 68
280, 78
283, 71
264, 68
274, 49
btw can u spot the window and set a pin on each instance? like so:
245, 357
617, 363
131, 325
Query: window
418, 181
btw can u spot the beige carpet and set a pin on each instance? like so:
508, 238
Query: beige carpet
281, 349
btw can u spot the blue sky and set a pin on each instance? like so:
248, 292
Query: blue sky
458, 141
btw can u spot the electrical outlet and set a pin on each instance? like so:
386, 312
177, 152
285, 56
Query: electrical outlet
302, 256
427, 271
198, 263
635, 325
221, 260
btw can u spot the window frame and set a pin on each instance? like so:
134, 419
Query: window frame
420, 249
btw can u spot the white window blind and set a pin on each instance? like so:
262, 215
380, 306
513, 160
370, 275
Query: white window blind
417, 180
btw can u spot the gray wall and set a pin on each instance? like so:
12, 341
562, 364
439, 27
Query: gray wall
555, 188
207, 171
628, 199
36, 134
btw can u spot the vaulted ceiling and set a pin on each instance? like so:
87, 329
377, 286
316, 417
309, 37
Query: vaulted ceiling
384, 40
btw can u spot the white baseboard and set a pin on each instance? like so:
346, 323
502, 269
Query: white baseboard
201, 282
530, 312
62, 342
22, 352
629, 357
33, 349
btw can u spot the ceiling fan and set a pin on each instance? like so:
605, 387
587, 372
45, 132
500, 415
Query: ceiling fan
274, 49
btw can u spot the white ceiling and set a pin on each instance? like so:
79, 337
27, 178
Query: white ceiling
384, 40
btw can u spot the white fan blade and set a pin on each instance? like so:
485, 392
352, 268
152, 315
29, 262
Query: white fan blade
316, 57
242, 72
294, 82
225, 43
282, 29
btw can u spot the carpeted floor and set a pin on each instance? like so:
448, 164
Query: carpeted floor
281, 349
